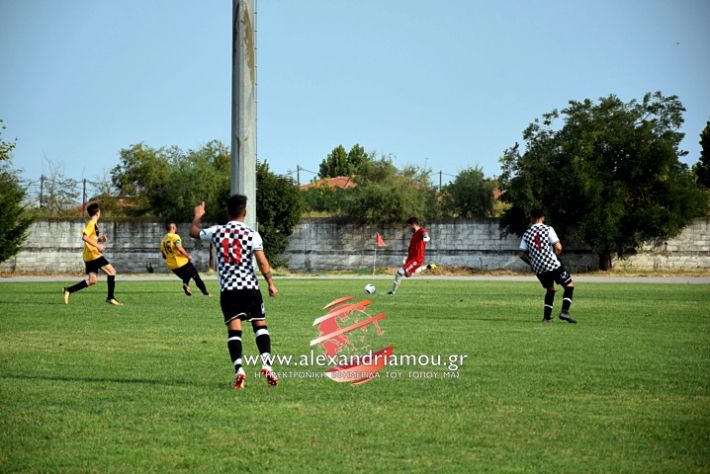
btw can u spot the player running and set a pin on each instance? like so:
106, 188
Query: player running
237, 246
539, 249
93, 258
415, 254
179, 261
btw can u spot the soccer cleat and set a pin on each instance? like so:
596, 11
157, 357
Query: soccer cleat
206, 294
431, 266
390, 293
66, 296
546, 319
567, 317
240, 380
113, 301
186, 289
270, 375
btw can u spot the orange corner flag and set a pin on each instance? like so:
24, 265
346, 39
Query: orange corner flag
378, 240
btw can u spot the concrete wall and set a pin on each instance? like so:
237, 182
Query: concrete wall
133, 247
319, 245
688, 251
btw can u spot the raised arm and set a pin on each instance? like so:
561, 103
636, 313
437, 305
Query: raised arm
195, 226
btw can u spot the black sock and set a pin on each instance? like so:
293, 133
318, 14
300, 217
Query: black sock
234, 344
111, 280
567, 298
79, 286
200, 284
549, 300
263, 343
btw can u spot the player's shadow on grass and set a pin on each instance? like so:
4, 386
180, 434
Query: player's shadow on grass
62, 378
122, 292
495, 319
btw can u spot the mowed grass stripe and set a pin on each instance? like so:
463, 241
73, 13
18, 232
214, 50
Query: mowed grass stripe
146, 387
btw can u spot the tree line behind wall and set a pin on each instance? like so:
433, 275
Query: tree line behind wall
607, 172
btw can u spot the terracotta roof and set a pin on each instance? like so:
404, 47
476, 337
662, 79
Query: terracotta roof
341, 182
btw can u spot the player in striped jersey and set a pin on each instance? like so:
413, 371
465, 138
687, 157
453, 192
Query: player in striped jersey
237, 247
539, 248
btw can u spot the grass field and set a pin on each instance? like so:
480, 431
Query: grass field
146, 387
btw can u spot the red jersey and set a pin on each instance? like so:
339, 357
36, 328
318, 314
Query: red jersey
417, 246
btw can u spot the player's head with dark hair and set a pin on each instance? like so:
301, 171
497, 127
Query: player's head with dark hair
169, 225
92, 209
236, 206
536, 213
412, 221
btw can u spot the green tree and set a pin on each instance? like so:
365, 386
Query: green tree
342, 163
5, 147
278, 209
199, 175
105, 193
702, 167
142, 171
611, 174
469, 195
324, 199
357, 156
166, 183
385, 194
13, 221
382, 194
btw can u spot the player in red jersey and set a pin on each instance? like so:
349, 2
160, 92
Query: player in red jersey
415, 254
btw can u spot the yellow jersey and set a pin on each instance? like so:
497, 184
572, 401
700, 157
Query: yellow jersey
91, 230
173, 258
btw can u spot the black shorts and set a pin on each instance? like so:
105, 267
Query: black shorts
560, 276
186, 272
93, 266
247, 305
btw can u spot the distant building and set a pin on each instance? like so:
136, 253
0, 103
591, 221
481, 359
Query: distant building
338, 182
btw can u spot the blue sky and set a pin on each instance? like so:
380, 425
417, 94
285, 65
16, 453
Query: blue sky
446, 85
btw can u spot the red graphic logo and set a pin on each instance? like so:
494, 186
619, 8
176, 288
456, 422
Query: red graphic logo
346, 337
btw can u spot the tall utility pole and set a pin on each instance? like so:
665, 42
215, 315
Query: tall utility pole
243, 171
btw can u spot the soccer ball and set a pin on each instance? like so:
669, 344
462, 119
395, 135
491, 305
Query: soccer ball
370, 289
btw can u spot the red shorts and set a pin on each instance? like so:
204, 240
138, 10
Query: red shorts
410, 266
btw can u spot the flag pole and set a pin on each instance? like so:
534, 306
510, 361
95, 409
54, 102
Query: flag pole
378, 243
374, 261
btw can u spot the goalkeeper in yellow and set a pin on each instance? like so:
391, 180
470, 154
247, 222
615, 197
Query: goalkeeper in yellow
178, 260
93, 258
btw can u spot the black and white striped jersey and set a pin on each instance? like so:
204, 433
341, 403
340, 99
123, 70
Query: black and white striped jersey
235, 244
538, 241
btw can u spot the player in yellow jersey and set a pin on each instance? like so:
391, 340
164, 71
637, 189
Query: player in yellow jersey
178, 260
93, 258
